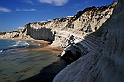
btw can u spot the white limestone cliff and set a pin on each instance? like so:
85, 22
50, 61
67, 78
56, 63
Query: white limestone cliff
59, 30
104, 63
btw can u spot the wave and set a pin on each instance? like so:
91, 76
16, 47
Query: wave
1, 51
21, 44
16, 46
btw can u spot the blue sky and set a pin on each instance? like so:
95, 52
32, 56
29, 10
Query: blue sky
16, 13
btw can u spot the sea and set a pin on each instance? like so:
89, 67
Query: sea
21, 61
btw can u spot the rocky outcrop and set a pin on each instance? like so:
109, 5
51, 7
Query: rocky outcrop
105, 62
60, 30
18, 34
81, 48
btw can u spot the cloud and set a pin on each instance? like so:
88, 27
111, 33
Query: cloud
17, 9
55, 2
3, 9
29, 1
87, 1
69, 16
20, 27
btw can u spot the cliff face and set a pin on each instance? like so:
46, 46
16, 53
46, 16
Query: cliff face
106, 62
42, 33
60, 30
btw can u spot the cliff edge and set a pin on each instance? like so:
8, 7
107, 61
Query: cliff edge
106, 62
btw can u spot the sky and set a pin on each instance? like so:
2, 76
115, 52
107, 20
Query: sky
14, 14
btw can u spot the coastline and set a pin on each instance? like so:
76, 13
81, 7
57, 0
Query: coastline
46, 47
94, 45
31, 63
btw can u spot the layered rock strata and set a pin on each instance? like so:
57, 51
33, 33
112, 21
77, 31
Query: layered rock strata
74, 51
42, 34
105, 62
83, 23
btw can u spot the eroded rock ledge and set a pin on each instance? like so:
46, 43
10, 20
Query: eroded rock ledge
104, 63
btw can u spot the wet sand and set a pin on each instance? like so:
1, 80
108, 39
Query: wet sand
31, 65
46, 47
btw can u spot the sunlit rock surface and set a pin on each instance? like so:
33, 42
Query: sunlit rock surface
59, 30
104, 63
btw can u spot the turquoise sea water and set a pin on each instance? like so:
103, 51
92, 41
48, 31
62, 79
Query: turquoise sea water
5, 44
29, 66
10, 45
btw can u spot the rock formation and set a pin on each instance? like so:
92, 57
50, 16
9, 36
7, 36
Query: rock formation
18, 34
59, 30
42, 34
88, 35
105, 62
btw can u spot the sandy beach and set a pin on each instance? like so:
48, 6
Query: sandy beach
46, 47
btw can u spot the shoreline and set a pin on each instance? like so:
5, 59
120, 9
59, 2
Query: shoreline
32, 64
46, 47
